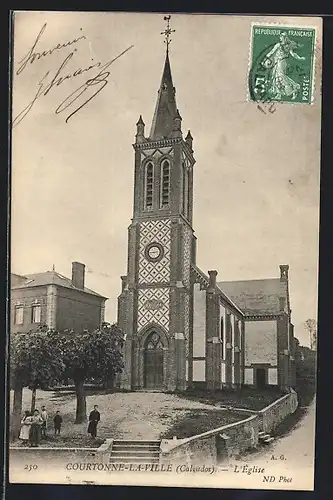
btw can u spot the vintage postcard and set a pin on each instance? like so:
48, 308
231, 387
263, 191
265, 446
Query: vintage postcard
164, 249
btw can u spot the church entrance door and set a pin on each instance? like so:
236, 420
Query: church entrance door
153, 362
261, 378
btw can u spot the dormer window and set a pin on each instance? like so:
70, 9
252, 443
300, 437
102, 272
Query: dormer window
165, 184
149, 185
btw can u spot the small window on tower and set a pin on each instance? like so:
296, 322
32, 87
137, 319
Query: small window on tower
165, 184
149, 185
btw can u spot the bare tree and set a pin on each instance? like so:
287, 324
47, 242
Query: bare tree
311, 327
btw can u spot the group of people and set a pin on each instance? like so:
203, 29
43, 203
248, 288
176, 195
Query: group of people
34, 426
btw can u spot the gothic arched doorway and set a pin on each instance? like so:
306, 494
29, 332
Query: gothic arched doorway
153, 361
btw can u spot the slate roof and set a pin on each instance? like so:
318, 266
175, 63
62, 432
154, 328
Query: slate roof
256, 297
166, 107
46, 278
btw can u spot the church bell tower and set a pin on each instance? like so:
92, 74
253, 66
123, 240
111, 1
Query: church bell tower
156, 303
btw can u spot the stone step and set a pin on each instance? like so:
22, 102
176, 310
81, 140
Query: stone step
118, 447
264, 436
132, 460
138, 442
135, 453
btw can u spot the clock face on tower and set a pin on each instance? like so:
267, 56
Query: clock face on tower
154, 252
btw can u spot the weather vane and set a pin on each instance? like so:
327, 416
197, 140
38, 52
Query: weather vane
167, 32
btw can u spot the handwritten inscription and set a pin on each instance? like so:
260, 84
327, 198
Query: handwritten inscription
33, 56
78, 98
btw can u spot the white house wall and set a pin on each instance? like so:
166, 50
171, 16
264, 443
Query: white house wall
199, 322
198, 371
261, 342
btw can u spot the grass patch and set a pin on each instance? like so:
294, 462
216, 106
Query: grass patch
246, 398
197, 421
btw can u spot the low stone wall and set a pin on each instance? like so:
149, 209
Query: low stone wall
91, 455
230, 440
213, 446
31, 455
271, 416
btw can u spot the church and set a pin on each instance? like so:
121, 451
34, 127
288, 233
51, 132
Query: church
183, 327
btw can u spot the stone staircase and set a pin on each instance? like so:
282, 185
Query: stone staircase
265, 438
133, 451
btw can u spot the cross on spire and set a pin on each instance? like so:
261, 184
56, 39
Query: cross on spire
167, 32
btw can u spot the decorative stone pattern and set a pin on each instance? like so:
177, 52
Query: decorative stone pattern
153, 307
187, 322
155, 231
187, 256
157, 153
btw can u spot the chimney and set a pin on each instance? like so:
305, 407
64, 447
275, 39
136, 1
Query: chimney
284, 272
78, 271
212, 279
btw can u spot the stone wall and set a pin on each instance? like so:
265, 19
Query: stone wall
231, 440
70, 456
213, 446
53, 455
78, 310
271, 416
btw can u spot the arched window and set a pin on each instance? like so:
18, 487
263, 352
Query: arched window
149, 185
154, 342
165, 184
222, 336
239, 334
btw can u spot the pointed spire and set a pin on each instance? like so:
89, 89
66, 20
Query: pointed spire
166, 108
189, 140
140, 121
140, 130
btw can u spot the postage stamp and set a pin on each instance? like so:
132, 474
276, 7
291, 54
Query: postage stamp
281, 64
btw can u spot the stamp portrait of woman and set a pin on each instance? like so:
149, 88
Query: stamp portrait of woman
276, 61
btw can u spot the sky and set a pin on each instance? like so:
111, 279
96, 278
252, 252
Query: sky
256, 177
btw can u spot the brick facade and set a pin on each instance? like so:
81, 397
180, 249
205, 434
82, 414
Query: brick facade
62, 306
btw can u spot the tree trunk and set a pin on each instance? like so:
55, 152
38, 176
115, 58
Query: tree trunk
81, 404
33, 400
17, 412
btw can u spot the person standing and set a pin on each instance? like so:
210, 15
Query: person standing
44, 424
57, 423
35, 430
94, 418
25, 427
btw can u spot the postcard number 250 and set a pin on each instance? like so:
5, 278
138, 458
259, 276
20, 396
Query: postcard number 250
31, 467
